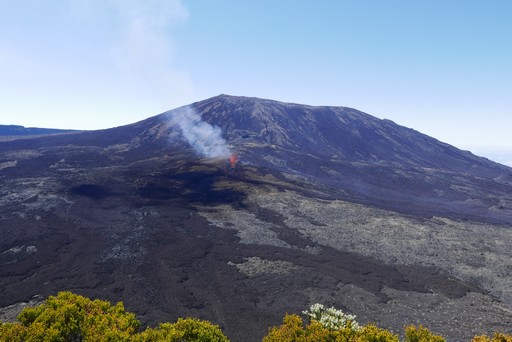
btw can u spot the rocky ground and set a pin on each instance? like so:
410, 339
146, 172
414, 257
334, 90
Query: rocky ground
184, 239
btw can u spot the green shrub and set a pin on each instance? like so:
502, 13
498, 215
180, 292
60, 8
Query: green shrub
498, 337
421, 334
185, 329
293, 330
70, 317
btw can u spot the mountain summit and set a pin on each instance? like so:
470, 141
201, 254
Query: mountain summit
325, 205
363, 158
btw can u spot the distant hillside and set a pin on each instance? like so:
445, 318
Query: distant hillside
15, 130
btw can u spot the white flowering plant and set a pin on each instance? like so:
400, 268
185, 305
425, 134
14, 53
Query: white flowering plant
332, 318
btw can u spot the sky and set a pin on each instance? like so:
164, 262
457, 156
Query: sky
442, 67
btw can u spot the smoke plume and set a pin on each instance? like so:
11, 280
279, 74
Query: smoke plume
206, 139
137, 51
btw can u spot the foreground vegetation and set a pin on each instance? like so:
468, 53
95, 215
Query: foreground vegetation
70, 317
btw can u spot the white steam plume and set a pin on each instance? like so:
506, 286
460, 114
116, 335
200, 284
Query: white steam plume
206, 139
140, 48
144, 55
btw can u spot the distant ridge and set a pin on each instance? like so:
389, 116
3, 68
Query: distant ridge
16, 130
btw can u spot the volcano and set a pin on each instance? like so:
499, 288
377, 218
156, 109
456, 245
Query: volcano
328, 205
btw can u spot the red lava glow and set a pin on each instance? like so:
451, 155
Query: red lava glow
232, 160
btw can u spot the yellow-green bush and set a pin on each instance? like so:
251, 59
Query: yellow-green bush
293, 330
498, 337
70, 317
185, 329
421, 334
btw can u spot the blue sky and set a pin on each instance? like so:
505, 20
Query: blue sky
441, 67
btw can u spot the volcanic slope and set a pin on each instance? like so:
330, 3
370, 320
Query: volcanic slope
329, 205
